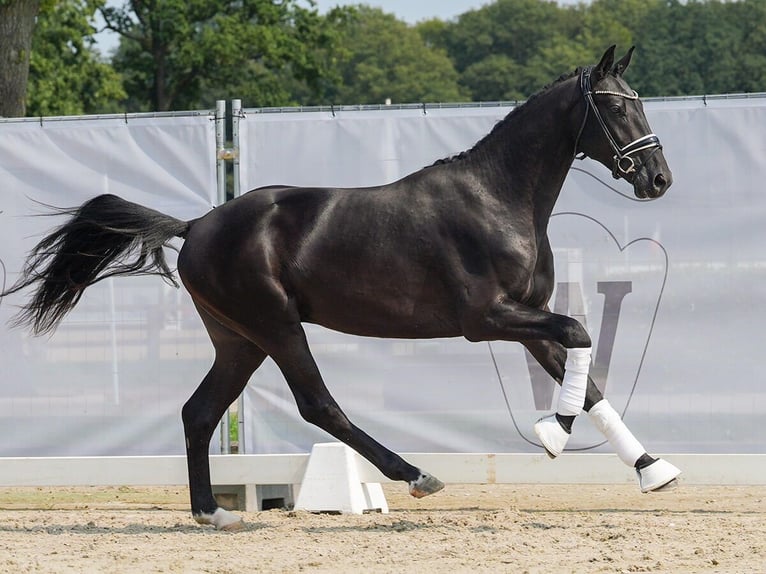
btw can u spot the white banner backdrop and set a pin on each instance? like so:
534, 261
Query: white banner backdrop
670, 290
113, 378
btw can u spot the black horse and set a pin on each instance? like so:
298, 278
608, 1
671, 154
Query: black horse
459, 248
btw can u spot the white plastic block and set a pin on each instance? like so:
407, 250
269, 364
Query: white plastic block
332, 483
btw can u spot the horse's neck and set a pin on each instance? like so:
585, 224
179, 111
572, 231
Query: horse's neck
533, 150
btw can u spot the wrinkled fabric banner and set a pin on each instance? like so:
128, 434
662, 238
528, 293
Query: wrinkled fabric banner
670, 290
113, 378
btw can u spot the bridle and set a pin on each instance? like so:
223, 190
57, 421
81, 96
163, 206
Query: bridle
624, 163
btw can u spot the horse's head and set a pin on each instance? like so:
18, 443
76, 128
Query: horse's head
615, 131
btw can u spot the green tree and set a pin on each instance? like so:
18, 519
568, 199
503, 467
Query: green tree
174, 51
502, 39
492, 79
182, 54
383, 58
585, 31
606, 22
306, 71
688, 48
434, 32
67, 75
17, 22
751, 59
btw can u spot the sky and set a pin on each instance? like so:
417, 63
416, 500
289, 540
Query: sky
413, 10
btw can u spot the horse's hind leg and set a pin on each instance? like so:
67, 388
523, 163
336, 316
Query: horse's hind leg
235, 360
653, 473
317, 406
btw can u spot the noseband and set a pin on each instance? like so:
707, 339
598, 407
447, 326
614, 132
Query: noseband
624, 163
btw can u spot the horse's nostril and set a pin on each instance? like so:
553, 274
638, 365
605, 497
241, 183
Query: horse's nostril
659, 181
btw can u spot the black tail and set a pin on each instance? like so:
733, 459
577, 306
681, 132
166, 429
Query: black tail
105, 236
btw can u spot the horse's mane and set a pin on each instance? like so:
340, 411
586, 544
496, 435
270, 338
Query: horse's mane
499, 125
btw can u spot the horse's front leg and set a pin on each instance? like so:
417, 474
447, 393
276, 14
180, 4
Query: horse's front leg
568, 357
653, 473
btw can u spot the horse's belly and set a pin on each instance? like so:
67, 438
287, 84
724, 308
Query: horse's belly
402, 317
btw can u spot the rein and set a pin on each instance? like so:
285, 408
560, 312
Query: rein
624, 164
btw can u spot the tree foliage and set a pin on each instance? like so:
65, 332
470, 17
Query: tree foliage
174, 51
493, 47
700, 47
67, 75
384, 59
511, 48
185, 54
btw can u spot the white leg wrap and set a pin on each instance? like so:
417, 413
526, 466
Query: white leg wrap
572, 393
608, 421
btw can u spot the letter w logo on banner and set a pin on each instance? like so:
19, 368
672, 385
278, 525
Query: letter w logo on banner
569, 301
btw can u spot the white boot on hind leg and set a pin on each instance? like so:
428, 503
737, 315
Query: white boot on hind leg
657, 475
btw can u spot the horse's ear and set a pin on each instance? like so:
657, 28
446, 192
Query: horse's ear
605, 65
622, 65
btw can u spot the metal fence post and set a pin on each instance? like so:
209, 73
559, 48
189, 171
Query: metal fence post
220, 145
236, 115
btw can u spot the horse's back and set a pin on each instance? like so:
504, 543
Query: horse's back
261, 220
356, 260
393, 260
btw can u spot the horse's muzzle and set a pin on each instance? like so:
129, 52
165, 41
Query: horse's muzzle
654, 188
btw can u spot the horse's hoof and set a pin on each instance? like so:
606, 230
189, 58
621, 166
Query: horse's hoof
552, 435
657, 476
222, 520
425, 485
672, 485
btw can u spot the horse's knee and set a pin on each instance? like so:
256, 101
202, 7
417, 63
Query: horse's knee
573, 334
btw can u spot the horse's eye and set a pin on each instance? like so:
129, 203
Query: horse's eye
616, 109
